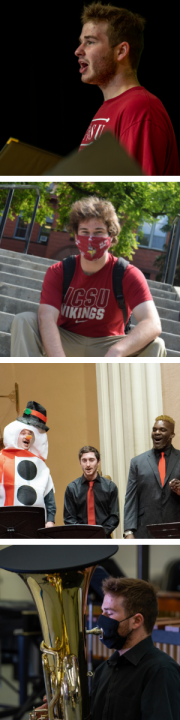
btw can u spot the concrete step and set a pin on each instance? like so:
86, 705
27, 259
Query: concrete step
165, 303
26, 272
20, 292
24, 264
6, 321
155, 292
168, 313
29, 258
5, 344
11, 278
159, 285
15, 305
173, 353
171, 326
172, 342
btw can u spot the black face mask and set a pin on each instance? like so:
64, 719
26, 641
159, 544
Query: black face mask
111, 637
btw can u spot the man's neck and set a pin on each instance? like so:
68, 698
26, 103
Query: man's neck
134, 638
119, 84
92, 478
91, 267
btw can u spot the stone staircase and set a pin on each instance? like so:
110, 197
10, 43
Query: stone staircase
21, 278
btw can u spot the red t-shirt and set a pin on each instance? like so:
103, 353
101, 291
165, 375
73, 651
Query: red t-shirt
90, 307
140, 122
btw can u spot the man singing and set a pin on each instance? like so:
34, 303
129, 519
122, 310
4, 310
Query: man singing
25, 479
91, 499
153, 488
109, 52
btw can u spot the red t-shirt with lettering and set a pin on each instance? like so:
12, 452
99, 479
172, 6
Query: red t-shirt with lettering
89, 307
141, 124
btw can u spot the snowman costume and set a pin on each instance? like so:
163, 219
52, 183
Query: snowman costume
24, 476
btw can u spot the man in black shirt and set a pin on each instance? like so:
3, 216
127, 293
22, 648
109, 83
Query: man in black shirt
153, 489
138, 682
91, 499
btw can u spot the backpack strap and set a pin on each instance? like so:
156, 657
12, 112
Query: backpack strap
69, 265
118, 272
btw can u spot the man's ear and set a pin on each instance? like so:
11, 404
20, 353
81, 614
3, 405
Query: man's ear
139, 619
122, 51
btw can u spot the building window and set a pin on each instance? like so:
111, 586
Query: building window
154, 236
21, 228
45, 230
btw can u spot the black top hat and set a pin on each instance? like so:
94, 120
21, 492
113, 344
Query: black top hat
34, 414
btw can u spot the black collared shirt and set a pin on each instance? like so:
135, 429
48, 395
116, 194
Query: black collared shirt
105, 501
142, 684
167, 452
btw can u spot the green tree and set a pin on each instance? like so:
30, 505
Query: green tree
23, 201
134, 203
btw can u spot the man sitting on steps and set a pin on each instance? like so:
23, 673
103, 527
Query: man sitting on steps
84, 314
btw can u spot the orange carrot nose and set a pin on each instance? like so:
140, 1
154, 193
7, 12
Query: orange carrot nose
28, 437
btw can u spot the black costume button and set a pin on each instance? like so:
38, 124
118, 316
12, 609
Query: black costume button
26, 495
27, 469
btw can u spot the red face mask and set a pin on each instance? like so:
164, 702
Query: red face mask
92, 247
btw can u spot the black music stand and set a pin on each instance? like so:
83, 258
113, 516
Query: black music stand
20, 522
73, 532
165, 530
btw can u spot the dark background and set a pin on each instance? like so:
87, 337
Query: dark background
43, 101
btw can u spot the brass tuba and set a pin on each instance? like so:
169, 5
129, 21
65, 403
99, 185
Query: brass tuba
58, 578
61, 599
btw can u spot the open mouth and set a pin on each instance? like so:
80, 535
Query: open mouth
83, 67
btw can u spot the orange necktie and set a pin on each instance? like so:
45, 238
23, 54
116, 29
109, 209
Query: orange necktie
162, 468
90, 504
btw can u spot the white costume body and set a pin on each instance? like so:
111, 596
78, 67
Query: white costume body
30, 479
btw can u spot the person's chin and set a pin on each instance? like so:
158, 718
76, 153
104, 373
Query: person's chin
88, 79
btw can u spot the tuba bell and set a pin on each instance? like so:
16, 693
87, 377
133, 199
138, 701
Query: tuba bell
60, 599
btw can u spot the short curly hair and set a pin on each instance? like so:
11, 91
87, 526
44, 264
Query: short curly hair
123, 25
167, 419
91, 207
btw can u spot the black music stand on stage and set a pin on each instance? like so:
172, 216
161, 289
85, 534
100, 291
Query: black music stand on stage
20, 522
165, 530
73, 532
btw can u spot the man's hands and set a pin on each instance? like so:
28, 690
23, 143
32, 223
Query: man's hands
49, 524
147, 329
41, 711
175, 486
130, 537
